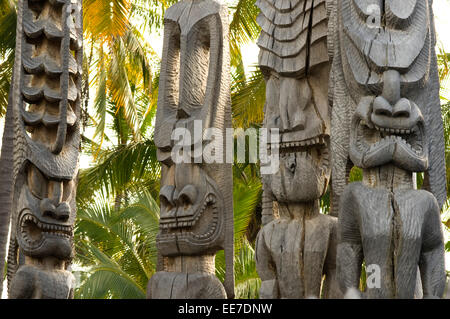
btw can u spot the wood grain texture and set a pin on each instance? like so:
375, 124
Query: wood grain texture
196, 218
46, 106
361, 54
386, 119
297, 245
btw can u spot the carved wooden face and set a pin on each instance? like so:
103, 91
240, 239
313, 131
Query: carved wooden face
46, 215
299, 109
191, 215
383, 133
190, 82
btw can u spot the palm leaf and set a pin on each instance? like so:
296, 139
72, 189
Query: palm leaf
108, 279
248, 97
243, 27
118, 168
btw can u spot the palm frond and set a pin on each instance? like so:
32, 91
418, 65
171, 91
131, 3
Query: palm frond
247, 281
105, 19
8, 20
107, 279
243, 27
247, 99
117, 168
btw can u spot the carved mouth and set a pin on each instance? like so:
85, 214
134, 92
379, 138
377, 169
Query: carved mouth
315, 149
33, 231
299, 146
200, 225
382, 136
371, 137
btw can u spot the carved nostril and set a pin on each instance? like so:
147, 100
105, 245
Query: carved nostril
63, 211
382, 107
402, 108
276, 122
47, 208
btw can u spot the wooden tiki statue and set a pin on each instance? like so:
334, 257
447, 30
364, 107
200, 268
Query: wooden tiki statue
196, 200
46, 104
387, 120
297, 244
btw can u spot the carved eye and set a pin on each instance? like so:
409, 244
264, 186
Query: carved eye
37, 183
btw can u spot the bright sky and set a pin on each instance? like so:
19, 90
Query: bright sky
250, 56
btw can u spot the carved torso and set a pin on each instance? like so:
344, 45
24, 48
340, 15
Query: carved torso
34, 283
395, 227
298, 249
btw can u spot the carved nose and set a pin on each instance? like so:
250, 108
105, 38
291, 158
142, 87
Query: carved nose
60, 212
382, 107
391, 86
295, 97
63, 211
402, 108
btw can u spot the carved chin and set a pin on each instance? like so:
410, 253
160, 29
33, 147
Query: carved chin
38, 239
302, 177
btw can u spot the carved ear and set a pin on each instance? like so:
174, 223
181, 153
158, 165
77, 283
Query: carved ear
168, 98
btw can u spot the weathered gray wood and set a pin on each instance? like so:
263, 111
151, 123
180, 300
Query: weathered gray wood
46, 105
196, 217
386, 120
297, 244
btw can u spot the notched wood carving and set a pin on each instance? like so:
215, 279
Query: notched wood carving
46, 104
387, 120
297, 244
196, 217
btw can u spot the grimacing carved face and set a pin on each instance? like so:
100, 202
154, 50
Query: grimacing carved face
191, 215
46, 216
298, 107
383, 133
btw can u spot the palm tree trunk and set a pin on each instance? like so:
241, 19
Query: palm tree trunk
6, 179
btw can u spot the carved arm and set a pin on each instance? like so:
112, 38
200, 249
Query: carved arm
349, 251
431, 264
266, 269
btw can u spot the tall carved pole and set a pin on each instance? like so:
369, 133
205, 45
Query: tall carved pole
297, 244
196, 216
46, 104
387, 121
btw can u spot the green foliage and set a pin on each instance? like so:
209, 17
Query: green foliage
131, 167
118, 250
117, 202
8, 20
248, 97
